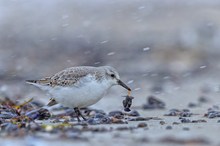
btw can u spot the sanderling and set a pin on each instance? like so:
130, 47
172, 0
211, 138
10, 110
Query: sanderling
79, 87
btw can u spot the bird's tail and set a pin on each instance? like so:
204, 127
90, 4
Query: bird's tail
42, 83
31, 81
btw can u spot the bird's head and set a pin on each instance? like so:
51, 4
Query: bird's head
113, 77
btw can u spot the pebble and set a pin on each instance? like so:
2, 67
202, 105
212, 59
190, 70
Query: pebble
99, 119
162, 123
153, 103
124, 128
184, 120
186, 128
118, 121
180, 113
142, 125
176, 123
212, 113
169, 127
203, 99
134, 113
192, 105
199, 121
185, 114
139, 119
116, 114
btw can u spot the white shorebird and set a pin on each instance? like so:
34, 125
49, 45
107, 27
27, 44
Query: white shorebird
78, 87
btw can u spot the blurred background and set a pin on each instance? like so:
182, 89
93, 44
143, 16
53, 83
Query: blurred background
153, 43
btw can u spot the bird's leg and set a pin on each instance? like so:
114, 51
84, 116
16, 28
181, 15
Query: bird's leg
79, 114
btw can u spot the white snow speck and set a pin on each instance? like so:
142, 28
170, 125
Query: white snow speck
65, 25
69, 61
86, 23
166, 77
146, 49
141, 7
202, 67
103, 42
154, 75
136, 89
111, 53
3, 88
130, 82
65, 16
97, 63
176, 88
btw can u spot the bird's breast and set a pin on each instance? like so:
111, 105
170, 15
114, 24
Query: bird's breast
80, 96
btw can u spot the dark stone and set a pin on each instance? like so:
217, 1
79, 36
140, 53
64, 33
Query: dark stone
154, 103
184, 120
169, 127
116, 114
142, 125
203, 99
192, 105
186, 129
134, 113
162, 123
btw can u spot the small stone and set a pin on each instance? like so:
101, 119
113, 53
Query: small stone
124, 128
142, 125
186, 110
192, 105
184, 120
117, 121
99, 119
185, 114
203, 99
211, 115
116, 114
186, 129
99, 116
134, 113
139, 119
154, 103
169, 127
199, 121
171, 113
176, 123
162, 123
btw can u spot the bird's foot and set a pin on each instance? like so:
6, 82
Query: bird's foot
79, 114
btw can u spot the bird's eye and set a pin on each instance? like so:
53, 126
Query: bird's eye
112, 75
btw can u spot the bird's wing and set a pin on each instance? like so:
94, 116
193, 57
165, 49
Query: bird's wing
67, 77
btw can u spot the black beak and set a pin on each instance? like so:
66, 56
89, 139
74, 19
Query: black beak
123, 85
